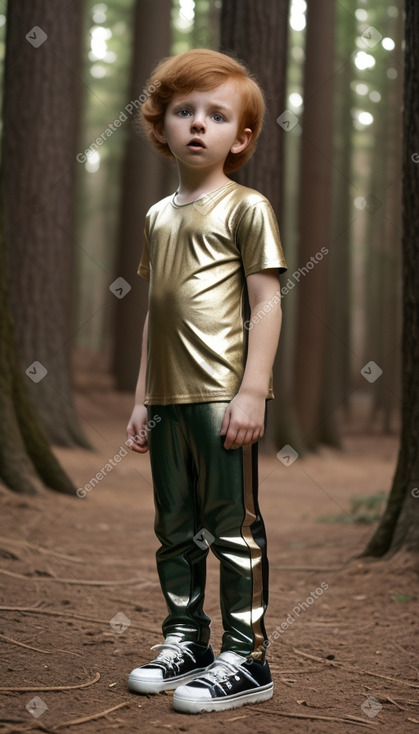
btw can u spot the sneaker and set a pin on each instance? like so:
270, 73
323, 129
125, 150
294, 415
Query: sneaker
231, 681
177, 663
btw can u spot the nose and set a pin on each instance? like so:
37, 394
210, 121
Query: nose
198, 124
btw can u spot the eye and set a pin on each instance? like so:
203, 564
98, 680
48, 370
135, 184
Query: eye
218, 117
183, 112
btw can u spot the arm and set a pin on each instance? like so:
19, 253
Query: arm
136, 428
244, 418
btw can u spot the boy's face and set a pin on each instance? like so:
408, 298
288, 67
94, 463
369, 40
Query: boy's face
201, 128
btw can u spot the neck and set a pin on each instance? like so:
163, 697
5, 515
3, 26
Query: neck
193, 184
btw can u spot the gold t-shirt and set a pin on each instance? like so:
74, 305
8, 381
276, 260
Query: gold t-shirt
196, 257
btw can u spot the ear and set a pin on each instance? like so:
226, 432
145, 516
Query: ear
242, 141
158, 132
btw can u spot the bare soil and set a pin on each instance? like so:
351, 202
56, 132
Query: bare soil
81, 605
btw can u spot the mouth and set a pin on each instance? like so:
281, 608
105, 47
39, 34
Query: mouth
196, 144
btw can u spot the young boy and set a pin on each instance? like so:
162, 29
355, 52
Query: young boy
213, 256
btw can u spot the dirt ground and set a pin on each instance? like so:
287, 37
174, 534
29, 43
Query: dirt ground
81, 605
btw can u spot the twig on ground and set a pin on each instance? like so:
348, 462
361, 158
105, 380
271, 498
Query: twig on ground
307, 569
22, 644
386, 677
357, 721
92, 717
46, 551
36, 725
82, 617
354, 669
74, 582
21, 609
54, 688
325, 661
390, 700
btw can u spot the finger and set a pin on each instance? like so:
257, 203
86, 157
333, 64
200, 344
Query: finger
225, 423
244, 439
142, 449
230, 438
234, 438
257, 435
249, 438
137, 440
139, 449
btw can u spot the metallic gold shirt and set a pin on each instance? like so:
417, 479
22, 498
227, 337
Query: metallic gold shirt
196, 257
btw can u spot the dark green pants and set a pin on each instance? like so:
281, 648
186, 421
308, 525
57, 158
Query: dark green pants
206, 497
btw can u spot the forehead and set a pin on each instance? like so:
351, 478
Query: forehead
226, 95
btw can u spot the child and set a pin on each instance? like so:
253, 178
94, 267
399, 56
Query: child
213, 256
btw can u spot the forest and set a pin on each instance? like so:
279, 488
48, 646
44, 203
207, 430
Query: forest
338, 158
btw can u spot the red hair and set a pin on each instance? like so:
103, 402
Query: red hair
202, 69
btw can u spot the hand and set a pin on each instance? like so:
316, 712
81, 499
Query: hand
243, 420
137, 430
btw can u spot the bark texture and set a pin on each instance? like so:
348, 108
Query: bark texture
146, 178
257, 33
42, 84
399, 526
315, 218
24, 449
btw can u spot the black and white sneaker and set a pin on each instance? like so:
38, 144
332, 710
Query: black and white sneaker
177, 663
231, 681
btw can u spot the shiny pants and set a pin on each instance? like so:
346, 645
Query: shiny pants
206, 497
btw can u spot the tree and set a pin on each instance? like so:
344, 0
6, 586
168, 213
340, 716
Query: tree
384, 229
336, 374
145, 179
257, 33
41, 113
399, 526
24, 448
314, 218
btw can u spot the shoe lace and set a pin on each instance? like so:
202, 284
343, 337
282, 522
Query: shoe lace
172, 652
219, 671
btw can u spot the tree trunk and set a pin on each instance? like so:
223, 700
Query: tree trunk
257, 33
336, 385
41, 112
399, 526
386, 396
146, 178
23, 445
315, 217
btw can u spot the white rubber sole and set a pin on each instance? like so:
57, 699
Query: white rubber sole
142, 685
190, 706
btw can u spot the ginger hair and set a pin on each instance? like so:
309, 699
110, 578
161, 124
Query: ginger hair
202, 69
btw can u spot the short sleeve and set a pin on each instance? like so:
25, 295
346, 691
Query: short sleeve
258, 239
144, 266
